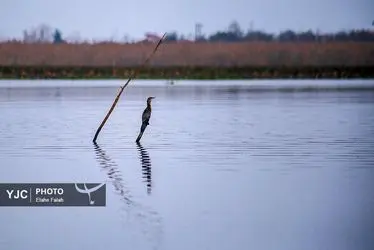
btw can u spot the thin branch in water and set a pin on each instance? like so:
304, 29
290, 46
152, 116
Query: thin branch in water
135, 73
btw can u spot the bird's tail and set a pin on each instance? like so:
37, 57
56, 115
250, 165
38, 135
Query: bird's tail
144, 125
142, 129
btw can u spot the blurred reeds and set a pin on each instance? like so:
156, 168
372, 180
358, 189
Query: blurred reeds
188, 60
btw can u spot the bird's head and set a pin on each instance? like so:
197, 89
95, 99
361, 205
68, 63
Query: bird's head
149, 99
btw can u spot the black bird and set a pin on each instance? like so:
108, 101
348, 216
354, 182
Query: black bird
145, 117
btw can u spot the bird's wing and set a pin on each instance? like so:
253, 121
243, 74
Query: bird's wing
146, 115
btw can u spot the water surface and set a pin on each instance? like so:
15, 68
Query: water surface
223, 165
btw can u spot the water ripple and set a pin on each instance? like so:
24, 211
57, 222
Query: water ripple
149, 220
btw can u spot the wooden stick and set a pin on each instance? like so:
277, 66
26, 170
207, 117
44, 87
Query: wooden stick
136, 72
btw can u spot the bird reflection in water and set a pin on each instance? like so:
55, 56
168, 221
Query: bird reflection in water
146, 166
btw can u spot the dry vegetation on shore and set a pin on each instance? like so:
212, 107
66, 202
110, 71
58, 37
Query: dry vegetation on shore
237, 54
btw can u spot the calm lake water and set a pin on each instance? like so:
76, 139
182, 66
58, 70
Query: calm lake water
223, 165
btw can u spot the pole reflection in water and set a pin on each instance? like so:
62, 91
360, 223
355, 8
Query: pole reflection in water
149, 221
114, 175
146, 166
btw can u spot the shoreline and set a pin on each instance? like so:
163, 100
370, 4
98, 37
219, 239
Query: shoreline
186, 73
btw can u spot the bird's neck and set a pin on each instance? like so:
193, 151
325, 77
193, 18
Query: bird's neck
149, 106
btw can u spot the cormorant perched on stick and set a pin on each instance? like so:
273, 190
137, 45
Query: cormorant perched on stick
145, 117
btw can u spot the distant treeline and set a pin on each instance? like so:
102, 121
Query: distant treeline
292, 36
234, 33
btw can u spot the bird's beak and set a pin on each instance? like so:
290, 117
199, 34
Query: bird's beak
153, 97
